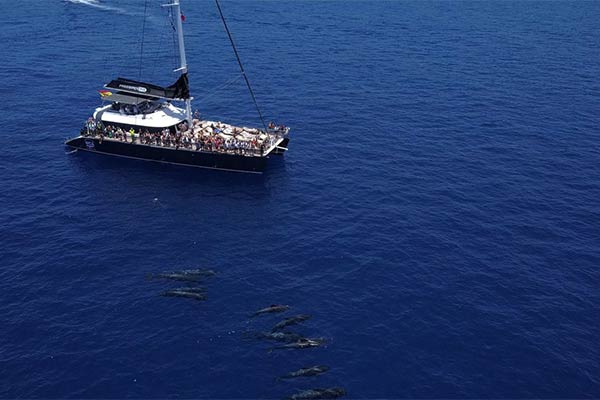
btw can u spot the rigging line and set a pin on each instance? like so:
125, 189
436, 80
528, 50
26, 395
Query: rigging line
214, 91
142, 43
228, 83
241, 66
158, 53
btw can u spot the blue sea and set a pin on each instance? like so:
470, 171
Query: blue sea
437, 213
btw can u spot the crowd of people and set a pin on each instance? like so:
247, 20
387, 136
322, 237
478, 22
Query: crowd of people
202, 136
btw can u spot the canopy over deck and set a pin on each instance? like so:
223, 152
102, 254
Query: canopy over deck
179, 90
125, 99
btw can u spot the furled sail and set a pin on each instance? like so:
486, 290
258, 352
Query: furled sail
179, 90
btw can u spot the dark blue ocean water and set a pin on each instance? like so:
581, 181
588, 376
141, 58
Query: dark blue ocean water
438, 212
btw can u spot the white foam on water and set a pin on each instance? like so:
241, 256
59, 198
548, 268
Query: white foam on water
96, 4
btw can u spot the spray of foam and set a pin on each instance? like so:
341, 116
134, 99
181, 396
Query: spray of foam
96, 4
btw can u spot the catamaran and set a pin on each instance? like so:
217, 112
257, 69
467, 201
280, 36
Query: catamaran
139, 120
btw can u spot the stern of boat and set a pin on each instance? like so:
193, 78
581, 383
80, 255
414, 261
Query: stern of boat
283, 140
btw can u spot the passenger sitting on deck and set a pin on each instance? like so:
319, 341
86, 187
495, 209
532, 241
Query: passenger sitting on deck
271, 125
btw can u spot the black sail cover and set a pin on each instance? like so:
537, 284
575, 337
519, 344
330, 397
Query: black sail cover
178, 90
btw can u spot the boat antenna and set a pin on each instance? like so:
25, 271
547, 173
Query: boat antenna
240, 64
182, 61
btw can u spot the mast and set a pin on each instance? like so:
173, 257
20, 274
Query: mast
182, 60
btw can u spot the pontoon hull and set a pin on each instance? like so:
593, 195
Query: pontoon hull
282, 147
170, 155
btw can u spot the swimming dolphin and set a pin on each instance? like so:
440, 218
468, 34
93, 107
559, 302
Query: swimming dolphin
176, 276
180, 293
279, 336
187, 275
290, 321
301, 344
192, 289
199, 272
319, 393
273, 308
308, 371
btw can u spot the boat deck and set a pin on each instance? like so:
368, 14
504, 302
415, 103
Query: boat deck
272, 144
204, 136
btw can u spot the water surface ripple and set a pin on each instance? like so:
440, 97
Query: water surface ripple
437, 213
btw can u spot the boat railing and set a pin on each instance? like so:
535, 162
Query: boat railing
213, 144
281, 131
258, 151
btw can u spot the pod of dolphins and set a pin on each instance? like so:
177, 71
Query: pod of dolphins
190, 276
293, 340
288, 340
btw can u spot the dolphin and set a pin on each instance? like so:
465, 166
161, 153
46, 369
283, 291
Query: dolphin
176, 276
319, 393
290, 321
181, 293
186, 275
303, 343
199, 272
273, 308
191, 289
279, 336
308, 371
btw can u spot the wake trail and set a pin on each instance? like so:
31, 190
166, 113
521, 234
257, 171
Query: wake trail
100, 6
